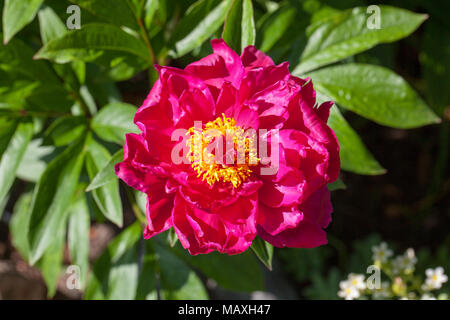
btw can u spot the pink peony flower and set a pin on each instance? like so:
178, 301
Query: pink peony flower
223, 207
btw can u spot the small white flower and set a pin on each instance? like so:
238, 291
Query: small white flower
435, 278
427, 296
383, 292
405, 262
381, 253
348, 291
357, 280
427, 287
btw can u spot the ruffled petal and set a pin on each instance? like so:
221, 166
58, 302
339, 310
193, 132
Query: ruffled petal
276, 220
302, 170
222, 65
202, 231
309, 233
253, 58
258, 79
159, 210
138, 170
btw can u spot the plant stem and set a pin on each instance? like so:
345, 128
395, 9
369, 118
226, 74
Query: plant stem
147, 41
83, 105
136, 210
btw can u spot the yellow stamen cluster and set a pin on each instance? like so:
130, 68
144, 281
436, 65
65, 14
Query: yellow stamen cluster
204, 162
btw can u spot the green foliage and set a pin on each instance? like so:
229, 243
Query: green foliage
264, 251
63, 123
16, 15
78, 235
239, 28
106, 174
375, 93
202, 20
345, 34
52, 196
238, 272
114, 121
12, 156
107, 196
354, 155
91, 42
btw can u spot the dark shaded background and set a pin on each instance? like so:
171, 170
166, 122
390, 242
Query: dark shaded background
409, 206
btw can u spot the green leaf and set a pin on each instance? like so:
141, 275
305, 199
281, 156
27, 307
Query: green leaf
19, 222
274, 25
178, 281
89, 42
375, 93
16, 15
115, 273
7, 128
151, 6
88, 99
50, 24
114, 121
248, 25
52, 196
141, 200
49, 97
172, 237
65, 130
347, 33
324, 287
435, 63
118, 12
199, 23
52, 260
222, 268
33, 165
353, 153
13, 155
107, 173
14, 92
78, 235
264, 251
239, 28
106, 197
232, 27
3, 204
52, 27
337, 185
17, 58
146, 289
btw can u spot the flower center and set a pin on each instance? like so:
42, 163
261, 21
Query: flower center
206, 146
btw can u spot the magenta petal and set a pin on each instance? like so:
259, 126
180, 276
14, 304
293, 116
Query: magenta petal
318, 208
222, 65
159, 211
309, 233
276, 220
258, 79
286, 193
200, 231
136, 170
306, 235
252, 58
323, 111
197, 106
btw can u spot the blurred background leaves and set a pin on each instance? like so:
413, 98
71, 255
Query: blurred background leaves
67, 97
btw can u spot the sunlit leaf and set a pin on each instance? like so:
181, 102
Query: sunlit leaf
16, 15
375, 93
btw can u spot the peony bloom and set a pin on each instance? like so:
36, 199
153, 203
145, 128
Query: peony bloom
223, 207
